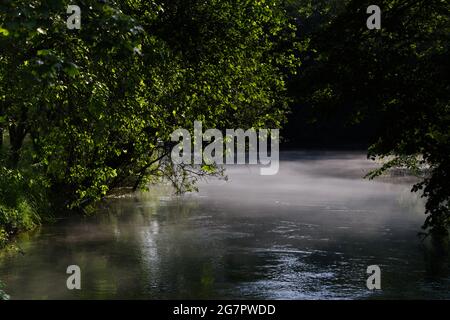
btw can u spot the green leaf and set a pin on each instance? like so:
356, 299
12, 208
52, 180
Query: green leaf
4, 31
71, 69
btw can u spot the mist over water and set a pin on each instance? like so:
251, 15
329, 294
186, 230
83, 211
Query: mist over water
308, 232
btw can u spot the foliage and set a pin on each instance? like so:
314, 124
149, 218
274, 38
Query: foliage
3, 294
396, 77
88, 111
18, 204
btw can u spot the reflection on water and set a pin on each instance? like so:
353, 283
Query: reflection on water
307, 233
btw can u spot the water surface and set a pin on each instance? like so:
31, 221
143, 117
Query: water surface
307, 233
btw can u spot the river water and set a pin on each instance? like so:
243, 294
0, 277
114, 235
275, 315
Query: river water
309, 232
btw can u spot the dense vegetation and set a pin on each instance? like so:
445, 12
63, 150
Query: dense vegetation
86, 112
393, 81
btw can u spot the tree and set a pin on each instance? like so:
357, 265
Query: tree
90, 111
396, 77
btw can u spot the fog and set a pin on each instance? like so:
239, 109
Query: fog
309, 232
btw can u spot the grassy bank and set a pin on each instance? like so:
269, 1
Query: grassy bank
21, 204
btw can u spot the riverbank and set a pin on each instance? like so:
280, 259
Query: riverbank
19, 208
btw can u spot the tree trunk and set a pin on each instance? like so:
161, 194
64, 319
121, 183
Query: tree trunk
17, 134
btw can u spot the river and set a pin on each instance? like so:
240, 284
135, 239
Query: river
308, 232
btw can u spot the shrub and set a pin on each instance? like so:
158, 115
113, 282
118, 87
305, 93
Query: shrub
18, 204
